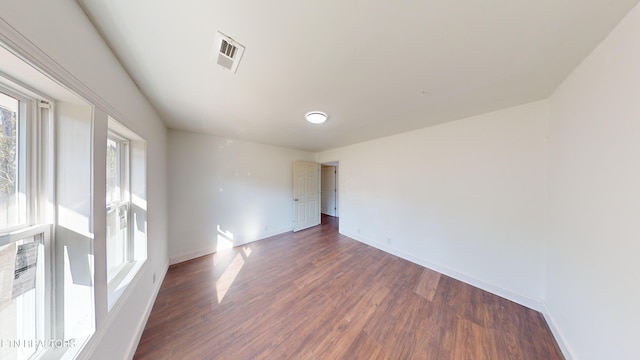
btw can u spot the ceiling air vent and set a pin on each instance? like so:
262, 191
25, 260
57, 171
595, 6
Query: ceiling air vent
227, 52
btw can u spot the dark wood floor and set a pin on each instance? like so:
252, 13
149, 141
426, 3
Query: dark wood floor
317, 294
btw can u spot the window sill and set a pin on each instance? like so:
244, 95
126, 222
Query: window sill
119, 283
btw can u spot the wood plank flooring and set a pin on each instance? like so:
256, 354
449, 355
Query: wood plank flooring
317, 294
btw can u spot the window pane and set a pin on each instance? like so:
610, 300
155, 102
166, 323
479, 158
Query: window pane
114, 192
12, 183
22, 298
117, 206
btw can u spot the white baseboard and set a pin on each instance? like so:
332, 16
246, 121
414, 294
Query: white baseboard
191, 255
147, 311
202, 252
514, 296
90, 347
564, 345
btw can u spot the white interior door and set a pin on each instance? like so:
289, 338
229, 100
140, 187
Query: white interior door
328, 193
306, 195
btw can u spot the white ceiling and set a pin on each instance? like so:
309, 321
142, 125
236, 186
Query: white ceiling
376, 67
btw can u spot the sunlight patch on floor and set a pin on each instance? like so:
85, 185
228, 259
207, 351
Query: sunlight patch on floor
228, 277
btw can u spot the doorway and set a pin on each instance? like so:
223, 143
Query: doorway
329, 194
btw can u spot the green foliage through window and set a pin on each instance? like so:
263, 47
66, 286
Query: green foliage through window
8, 152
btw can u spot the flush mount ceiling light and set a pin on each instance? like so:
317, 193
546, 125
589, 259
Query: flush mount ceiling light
316, 117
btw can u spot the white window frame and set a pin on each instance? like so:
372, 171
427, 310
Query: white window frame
124, 203
26, 122
36, 121
120, 278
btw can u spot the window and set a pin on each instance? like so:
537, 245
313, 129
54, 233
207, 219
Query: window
25, 290
126, 207
50, 240
118, 204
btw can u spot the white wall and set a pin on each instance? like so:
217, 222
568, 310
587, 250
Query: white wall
593, 273
466, 198
61, 31
75, 265
225, 192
